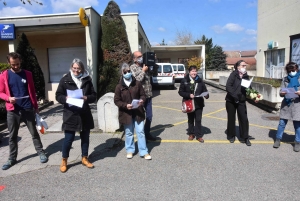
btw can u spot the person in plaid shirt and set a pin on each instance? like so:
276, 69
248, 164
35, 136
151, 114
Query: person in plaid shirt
141, 73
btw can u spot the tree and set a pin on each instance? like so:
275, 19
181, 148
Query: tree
205, 41
115, 48
195, 61
183, 38
30, 63
217, 59
24, 2
163, 42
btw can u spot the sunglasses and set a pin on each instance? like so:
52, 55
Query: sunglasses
125, 72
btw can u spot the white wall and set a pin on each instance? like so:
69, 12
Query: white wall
276, 21
131, 23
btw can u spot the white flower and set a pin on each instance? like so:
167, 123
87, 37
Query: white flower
192, 82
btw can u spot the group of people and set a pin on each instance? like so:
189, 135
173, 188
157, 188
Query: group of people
133, 97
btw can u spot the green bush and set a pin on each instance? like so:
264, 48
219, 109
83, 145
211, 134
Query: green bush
273, 82
4, 66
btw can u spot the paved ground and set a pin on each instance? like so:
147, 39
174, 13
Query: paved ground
180, 169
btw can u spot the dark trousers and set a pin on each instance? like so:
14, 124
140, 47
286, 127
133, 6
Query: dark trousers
69, 138
241, 110
194, 123
13, 123
148, 108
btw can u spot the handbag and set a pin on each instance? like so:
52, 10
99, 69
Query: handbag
188, 106
40, 123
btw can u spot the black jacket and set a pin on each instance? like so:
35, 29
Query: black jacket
76, 118
236, 92
185, 91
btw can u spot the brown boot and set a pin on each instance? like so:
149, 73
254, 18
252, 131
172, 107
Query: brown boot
86, 162
63, 166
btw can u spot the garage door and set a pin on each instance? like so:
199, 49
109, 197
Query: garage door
60, 60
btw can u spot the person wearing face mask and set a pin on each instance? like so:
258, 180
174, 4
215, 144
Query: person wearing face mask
131, 118
141, 73
290, 107
236, 103
76, 119
192, 85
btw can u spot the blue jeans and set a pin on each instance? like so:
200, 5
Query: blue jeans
281, 127
69, 138
148, 108
129, 140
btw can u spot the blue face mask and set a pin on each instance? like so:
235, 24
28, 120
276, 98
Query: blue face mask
127, 76
292, 73
78, 76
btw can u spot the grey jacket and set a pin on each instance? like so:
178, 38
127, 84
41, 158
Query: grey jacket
291, 112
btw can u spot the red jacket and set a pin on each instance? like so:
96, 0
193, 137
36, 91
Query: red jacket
5, 93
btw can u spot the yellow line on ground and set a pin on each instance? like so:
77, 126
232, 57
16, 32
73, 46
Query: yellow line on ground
157, 102
219, 141
255, 125
168, 108
214, 112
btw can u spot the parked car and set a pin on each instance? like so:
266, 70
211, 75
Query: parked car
165, 75
179, 71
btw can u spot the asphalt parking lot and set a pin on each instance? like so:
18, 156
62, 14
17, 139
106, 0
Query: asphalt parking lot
180, 169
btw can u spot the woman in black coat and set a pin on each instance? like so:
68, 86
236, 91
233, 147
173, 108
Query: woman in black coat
75, 118
188, 90
236, 103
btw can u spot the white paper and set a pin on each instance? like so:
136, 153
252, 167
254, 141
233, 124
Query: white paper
203, 94
75, 101
135, 103
290, 92
21, 97
75, 93
246, 83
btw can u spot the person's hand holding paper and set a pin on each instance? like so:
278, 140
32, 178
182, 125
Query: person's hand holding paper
289, 93
246, 83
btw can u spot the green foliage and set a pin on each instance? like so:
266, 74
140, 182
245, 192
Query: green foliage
115, 48
30, 63
249, 91
273, 82
216, 59
195, 61
4, 66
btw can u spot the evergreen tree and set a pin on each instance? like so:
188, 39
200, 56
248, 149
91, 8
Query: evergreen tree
30, 63
208, 47
217, 59
115, 48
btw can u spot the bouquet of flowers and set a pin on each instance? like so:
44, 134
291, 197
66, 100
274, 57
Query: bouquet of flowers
254, 95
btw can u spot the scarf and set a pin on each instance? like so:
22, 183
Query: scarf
293, 83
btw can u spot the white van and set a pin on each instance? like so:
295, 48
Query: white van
179, 71
165, 75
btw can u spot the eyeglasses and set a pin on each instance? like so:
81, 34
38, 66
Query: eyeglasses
78, 69
125, 72
243, 65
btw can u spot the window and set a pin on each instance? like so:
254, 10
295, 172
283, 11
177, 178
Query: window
167, 69
275, 60
175, 67
159, 69
181, 68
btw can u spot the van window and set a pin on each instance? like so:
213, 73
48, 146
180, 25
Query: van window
168, 69
181, 68
159, 69
175, 67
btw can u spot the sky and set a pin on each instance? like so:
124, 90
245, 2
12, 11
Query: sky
231, 24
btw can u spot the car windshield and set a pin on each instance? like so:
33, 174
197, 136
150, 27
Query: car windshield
181, 68
167, 69
174, 67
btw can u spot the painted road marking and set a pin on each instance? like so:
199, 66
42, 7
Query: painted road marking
208, 115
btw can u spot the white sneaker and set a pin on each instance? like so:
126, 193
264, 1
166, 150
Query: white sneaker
147, 157
129, 155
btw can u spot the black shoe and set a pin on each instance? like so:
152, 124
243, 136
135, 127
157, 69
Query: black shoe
150, 138
247, 141
9, 164
231, 140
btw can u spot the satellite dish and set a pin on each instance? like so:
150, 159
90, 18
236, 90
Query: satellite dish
84, 19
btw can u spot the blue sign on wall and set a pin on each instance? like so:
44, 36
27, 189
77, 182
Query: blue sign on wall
7, 32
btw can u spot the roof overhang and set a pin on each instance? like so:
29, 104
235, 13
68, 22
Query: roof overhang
176, 47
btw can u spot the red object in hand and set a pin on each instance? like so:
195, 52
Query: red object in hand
42, 130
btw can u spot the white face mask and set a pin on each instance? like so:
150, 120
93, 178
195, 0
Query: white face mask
242, 70
140, 60
292, 73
